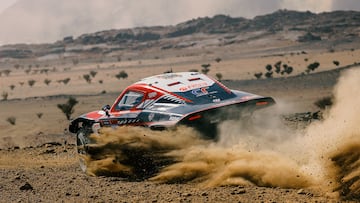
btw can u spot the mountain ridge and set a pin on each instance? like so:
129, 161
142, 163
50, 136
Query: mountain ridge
306, 26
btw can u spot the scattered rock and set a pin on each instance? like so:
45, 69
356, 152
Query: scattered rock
238, 192
301, 192
27, 186
187, 194
204, 194
49, 151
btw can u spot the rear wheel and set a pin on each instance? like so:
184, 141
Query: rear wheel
82, 140
208, 131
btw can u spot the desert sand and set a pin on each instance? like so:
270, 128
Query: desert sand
38, 158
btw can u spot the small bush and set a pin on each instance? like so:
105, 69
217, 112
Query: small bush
258, 75
219, 76
39, 115
205, 68
68, 107
277, 66
4, 96
93, 73
47, 81
269, 74
87, 78
122, 74
12, 87
268, 67
66, 81
336, 63
75, 61
218, 59
6, 72
325, 102
31, 82
11, 120
193, 70
313, 66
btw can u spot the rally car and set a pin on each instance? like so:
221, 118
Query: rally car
169, 100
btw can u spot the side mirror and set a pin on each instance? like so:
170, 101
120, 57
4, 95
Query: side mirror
106, 108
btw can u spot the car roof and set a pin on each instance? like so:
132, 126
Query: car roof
178, 82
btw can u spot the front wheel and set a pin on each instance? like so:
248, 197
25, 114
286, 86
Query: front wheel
82, 141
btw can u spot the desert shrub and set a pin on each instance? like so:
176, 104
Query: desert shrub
289, 70
16, 66
313, 66
93, 73
31, 82
101, 81
75, 61
6, 72
47, 81
39, 115
35, 72
258, 75
68, 107
193, 70
219, 76
122, 74
12, 87
4, 96
87, 78
66, 81
21, 83
218, 59
27, 71
325, 102
268, 67
336, 63
11, 120
269, 74
169, 71
118, 58
277, 66
46, 71
205, 68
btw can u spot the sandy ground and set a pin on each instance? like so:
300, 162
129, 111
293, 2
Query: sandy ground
33, 171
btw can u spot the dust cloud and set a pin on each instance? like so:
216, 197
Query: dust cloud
266, 152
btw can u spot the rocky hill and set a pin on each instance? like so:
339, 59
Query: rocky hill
302, 27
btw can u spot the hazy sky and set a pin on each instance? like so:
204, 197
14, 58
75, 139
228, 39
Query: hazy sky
4, 4
33, 21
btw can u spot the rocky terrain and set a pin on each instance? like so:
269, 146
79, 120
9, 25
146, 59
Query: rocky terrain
334, 28
295, 152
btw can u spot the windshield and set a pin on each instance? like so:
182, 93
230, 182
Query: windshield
129, 100
205, 95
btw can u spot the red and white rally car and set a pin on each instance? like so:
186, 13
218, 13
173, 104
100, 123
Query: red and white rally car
167, 100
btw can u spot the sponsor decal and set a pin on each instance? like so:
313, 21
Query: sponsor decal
151, 116
200, 91
102, 112
193, 86
152, 95
216, 100
174, 118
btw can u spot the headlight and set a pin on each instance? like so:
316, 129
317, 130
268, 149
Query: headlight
96, 127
